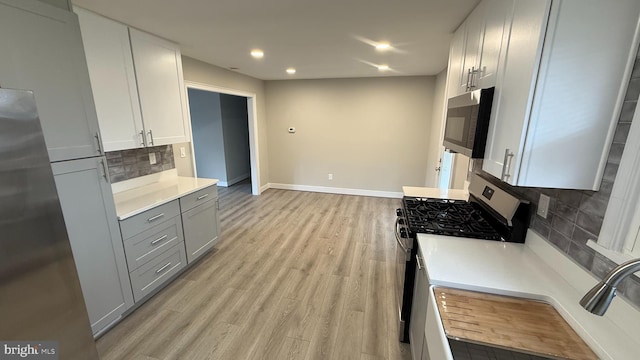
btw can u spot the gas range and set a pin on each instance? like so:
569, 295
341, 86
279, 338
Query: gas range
490, 214
447, 217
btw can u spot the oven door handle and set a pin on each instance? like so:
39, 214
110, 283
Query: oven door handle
398, 238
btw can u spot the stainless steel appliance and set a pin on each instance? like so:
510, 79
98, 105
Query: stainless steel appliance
40, 294
490, 213
467, 122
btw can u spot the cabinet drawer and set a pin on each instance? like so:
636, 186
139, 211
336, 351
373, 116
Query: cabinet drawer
156, 272
148, 244
148, 219
201, 196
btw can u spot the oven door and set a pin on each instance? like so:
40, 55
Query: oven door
405, 268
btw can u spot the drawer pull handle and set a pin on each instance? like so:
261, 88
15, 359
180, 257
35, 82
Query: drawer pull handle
154, 218
202, 196
159, 239
163, 268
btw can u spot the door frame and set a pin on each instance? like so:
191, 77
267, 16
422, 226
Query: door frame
252, 114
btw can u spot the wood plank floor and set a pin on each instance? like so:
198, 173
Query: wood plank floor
297, 275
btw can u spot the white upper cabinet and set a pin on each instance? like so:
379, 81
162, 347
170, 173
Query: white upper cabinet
456, 58
472, 47
113, 80
495, 31
558, 92
161, 88
42, 51
477, 47
137, 83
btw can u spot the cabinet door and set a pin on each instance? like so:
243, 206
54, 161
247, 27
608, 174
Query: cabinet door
418, 310
497, 17
158, 69
201, 229
472, 44
515, 87
435, 338
90, 218
425, 349
42, 51
113, 81
455, 71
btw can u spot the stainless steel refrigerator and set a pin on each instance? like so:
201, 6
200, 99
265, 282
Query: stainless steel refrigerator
40, 294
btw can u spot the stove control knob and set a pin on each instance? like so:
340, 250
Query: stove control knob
403, 233
399, 212
401, 221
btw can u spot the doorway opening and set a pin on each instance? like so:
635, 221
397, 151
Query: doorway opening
223, 135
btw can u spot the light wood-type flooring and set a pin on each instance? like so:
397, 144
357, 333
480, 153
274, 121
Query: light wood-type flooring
297, 275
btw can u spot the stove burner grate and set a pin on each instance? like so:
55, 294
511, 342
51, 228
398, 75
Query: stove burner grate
448, 217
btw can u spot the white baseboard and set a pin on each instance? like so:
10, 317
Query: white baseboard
335, 190
265, 187
223, 183
237, 179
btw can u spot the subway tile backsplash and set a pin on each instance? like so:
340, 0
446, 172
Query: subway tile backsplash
576, 216
129, 164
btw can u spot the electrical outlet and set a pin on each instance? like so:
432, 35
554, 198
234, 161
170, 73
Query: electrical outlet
183, 152
152, 158
330, 176
543, 206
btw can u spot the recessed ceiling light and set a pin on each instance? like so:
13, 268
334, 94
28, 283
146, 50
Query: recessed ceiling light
383, 67
257, 53
291, 71
382, 46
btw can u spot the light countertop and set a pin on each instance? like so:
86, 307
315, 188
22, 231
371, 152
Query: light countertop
134, 201
454, 194
518, 270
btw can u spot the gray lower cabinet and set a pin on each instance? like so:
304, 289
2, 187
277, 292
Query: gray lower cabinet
157, 271
159, 242
91, 222
425, 349
200, 222
418, 310
154, 247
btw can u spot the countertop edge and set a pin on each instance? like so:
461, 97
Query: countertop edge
609, 341
167, 199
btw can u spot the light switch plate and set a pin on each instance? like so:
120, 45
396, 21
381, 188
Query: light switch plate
183, 152
543, 206
152, 158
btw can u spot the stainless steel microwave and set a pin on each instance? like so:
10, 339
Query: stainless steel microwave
467, 122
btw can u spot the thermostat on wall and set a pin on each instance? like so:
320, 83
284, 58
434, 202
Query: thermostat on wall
292, 130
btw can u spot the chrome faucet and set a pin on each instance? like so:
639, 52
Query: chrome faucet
597, 300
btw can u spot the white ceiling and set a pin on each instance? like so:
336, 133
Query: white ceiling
320, 38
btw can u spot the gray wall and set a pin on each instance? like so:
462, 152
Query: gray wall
184, 165
208, 142
576, 216
235, 130
201, 72
371, 133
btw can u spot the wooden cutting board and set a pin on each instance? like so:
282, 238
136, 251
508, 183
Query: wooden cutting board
523, 325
